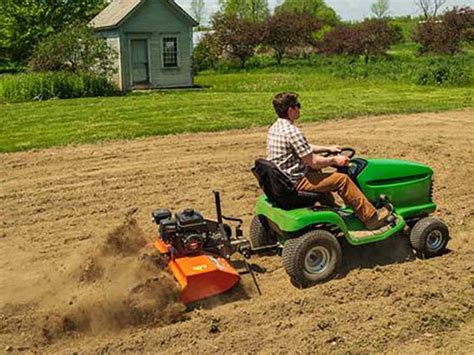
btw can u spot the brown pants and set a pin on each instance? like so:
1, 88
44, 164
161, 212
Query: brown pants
317, 181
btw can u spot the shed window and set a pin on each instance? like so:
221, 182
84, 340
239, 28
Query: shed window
170, 52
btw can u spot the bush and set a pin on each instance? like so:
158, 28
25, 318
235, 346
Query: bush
76, 49
406, 26
445, 36
206, 54
455, 71
7, 67
371, 37
44, 86
446, 71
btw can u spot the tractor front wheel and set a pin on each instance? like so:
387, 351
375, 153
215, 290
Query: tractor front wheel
429, 237
312, 258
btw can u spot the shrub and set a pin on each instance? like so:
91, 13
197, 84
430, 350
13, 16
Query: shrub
7, 67
445, 71
406, 25
44, 86
445, 36
207, 52
76, 49
453, 71
371, 37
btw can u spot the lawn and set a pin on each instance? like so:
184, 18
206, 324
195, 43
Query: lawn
226, 101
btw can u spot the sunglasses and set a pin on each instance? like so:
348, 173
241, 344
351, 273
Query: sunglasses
297, 105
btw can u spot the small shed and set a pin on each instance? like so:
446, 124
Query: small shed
153, 40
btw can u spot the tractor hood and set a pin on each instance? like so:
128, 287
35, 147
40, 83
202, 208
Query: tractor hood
405, 183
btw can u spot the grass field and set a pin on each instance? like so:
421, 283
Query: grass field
235, 100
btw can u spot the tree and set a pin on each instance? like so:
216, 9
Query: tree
380, 8
285, 30
446, 35
75, 49
429, 8
27, 22
198, 8
372, 37
237, 36
316, 8
252, 10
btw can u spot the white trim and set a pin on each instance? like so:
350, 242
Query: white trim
178, 51
130, 54
191, 49
150, 79
119, 58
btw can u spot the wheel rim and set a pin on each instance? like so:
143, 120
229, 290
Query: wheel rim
317, 260
434, 240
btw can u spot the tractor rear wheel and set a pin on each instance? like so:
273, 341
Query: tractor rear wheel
312, 258
429, 237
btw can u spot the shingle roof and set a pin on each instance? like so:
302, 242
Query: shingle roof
118, 10
114, 13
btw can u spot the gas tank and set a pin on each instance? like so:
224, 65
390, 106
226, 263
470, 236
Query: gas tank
405, 183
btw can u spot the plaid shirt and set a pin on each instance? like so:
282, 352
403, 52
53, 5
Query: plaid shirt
286, 145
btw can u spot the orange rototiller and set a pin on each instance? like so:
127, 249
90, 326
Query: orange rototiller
199, 251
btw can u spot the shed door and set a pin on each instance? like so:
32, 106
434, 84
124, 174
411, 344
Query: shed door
140, 61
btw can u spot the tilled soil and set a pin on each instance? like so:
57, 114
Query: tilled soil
77, 274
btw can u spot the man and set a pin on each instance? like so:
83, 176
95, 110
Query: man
288, 148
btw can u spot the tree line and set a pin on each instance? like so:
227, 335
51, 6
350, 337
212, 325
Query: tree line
47, 35
308, 26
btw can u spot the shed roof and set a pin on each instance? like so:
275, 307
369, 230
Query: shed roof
118, 10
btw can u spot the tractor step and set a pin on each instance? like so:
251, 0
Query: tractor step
362, 234
358, 233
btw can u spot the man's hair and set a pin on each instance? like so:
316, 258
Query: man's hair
283, 101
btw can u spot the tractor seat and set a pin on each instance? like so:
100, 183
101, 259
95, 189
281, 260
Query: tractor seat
280, 190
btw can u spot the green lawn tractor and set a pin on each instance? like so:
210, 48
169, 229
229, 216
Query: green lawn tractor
308, 233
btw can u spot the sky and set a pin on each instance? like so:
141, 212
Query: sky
349, 9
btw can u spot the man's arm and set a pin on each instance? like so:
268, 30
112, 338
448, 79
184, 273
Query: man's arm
318, 162
321, 149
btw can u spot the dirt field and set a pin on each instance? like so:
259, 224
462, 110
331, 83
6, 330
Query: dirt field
74, 220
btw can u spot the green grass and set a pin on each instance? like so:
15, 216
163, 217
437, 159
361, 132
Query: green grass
236, 100
405, 50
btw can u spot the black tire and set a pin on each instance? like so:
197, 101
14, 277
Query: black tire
258, 232
326, 255
429, 237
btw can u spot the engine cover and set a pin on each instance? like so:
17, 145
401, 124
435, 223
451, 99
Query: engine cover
190, 219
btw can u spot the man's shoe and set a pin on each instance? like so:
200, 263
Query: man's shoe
379, 219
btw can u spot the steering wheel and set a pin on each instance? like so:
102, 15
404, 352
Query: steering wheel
347, 151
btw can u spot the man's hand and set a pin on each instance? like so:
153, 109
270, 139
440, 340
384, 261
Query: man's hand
340, 160
318, 162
